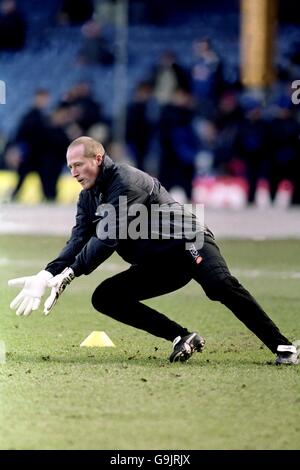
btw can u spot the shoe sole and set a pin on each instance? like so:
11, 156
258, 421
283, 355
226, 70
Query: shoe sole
183, 356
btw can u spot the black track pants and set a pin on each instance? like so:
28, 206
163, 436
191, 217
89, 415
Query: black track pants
120, 296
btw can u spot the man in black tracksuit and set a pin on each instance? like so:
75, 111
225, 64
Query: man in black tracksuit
158, 266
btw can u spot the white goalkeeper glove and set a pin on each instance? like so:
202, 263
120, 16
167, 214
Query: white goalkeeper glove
58, 284
29, 298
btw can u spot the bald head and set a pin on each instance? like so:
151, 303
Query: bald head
91, 147
84, 159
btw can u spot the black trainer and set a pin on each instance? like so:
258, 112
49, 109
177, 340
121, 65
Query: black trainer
183, 348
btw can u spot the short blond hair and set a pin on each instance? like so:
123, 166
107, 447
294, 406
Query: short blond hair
91, 146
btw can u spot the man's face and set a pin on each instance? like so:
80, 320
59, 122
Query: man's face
84, 169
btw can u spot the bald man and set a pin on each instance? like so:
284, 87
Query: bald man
161, 254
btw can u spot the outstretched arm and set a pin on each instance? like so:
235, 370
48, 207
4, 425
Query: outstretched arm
81, 233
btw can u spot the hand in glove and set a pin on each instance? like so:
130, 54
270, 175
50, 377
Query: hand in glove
58, 284
30, 296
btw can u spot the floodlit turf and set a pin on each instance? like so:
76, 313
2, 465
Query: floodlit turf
55, 395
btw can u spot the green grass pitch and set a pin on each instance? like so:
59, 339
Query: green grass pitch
56, 395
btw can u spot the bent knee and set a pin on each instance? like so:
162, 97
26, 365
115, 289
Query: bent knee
102, 296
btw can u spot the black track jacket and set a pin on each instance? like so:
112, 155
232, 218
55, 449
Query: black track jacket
85, 251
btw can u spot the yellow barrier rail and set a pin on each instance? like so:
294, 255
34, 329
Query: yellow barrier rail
31, 190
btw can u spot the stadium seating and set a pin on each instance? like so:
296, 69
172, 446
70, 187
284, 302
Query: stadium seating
49, 60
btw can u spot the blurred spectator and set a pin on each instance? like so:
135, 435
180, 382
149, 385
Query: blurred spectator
284, 146
40, 145
75, 12
229, 111
35, 119
168, 76
95, 48
206, 132
55, 147
252, 145
86, 110
178, 141
227, 121
30, 139
139, 126
12, 26
207, 76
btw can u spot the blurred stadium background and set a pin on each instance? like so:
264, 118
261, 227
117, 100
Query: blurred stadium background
198, 94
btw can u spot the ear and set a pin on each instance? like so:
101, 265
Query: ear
99, 159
